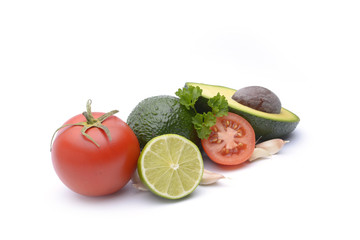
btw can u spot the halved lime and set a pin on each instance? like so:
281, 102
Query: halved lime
171, 166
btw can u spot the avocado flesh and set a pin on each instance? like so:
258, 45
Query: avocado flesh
266, 125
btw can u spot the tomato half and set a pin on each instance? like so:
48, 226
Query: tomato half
231, 142
94, 170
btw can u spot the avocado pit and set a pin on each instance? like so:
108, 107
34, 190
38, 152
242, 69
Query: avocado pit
258, 98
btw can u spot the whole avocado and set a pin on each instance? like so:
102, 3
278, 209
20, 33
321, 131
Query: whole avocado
158, 115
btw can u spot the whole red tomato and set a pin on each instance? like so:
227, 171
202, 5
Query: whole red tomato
95, 154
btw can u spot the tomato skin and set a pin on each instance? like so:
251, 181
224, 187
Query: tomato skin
91, 170
247, 139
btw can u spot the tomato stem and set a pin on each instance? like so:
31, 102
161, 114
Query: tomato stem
88, 115
90, 122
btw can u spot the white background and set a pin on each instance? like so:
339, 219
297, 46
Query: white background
55, 55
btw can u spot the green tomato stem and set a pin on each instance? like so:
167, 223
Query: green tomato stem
90, 122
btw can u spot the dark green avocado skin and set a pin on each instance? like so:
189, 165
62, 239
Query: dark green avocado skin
158, 115
264, 128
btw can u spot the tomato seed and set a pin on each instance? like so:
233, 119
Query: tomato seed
237, 135
213, 139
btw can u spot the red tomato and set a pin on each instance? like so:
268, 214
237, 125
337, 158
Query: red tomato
231, 142
94, 170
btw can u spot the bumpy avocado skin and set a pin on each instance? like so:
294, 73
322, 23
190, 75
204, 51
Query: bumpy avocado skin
158, 115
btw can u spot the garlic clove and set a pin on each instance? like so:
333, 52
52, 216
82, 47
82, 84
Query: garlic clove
210, 177
140, 186
136, 182
259, 153
272, 146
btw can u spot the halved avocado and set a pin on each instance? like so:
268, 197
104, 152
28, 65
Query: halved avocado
266, 125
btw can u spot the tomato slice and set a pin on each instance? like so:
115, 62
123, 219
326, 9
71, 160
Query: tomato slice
231, 142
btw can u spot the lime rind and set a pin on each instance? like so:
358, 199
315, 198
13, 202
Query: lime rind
171, 166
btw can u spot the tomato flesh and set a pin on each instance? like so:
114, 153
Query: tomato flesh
231, 142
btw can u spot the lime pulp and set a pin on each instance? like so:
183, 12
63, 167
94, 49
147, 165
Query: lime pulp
171, 166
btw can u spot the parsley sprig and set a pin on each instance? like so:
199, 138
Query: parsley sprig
203, 121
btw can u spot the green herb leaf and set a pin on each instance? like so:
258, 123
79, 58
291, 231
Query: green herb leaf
219, 105
189, 96
197, 120
203, 122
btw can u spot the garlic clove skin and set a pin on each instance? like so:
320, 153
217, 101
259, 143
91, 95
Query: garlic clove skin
210, 177
140, 186
272, 146
259, 153
136, 182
